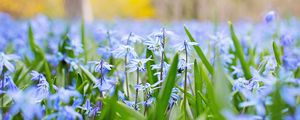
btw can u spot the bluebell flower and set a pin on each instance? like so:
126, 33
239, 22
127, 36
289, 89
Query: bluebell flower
137, 64
259, 100
286, 40
42, 88
5, 62
132, 38
182, 65
106, 84
64, 95
105, 52
25, 103
241, 84
231, 116
270, 16
185, 44
75, 45
291, 60
155, 41
295, 116
65, 113
289, 95
157, 67
102, 65
237, 70
174, 97
124, 50
9, 85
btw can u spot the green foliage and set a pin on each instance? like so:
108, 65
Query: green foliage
240, 53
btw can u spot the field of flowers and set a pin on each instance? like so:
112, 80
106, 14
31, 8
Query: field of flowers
54, 69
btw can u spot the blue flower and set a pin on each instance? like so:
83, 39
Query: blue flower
42, 90
9, 85
102, 65
124, 50
106, 84
286, 40
4, 62
132, 38
25, 102
185, 44
137, 64
289, 95
270, 16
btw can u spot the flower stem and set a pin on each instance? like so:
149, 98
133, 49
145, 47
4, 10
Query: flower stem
136, 90
125, 72
162, 55
2, 86
185, 79
102, 77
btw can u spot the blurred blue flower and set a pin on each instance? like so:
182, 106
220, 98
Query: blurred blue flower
42, 88
9, 85
289, 95
25, 102
132, 38
270, 16
5, 62
286, 40
185, 44
106, 84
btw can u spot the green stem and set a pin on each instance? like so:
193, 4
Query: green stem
162, 55
185, 80
126, 75
136, 90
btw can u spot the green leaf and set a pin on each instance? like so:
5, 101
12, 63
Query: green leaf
278, 104
88, 74
166, 90
48, 75
221, 90
151, 77
240, 53
198, 80
124, 110
37, 51
83, 41
199, 52
277, 53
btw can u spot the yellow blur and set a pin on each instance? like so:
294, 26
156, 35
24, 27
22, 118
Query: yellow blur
105, 9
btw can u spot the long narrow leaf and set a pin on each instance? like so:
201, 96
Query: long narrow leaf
240, 53
166, 90
199, 52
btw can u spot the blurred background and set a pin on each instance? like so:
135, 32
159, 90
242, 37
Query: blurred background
164, 10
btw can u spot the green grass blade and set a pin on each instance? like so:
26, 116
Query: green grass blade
83, 41
124, 110
151, 77
37, 51
198, 88
88, 74
48, 76
165, 92
199, 52
277, 53
240, 53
